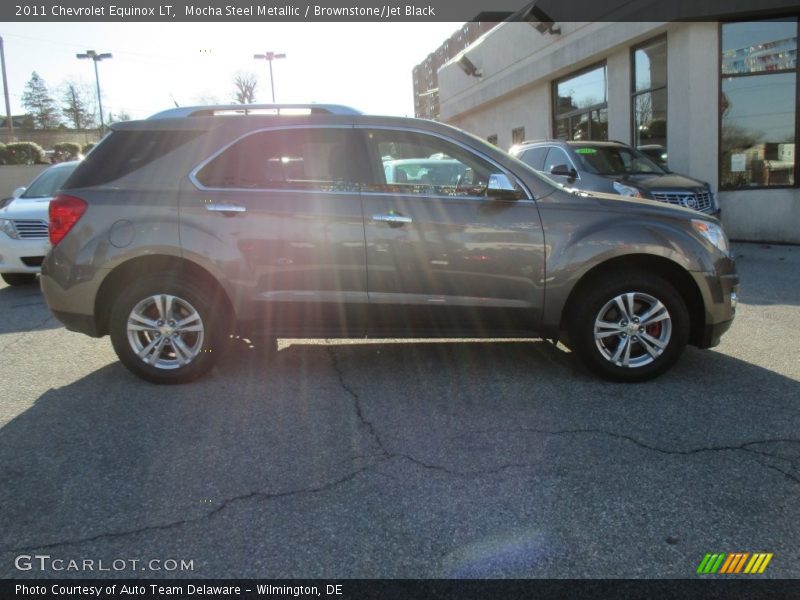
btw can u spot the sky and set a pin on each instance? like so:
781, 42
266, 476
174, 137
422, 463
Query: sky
364, 65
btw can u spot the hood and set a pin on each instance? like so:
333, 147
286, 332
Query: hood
672, 209
670, 181
27, 208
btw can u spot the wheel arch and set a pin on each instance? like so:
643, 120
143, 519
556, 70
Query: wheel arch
667, 269
142, 266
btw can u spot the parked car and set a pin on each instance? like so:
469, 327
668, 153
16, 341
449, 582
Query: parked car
437, 171
23, 223
178, 228
615, 168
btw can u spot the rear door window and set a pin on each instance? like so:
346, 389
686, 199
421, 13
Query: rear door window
318, 159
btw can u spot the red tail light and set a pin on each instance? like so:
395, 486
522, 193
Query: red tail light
64, 213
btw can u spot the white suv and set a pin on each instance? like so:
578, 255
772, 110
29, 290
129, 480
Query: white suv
23, 225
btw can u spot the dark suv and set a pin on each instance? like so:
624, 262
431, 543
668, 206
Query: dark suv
178, 228
615, 168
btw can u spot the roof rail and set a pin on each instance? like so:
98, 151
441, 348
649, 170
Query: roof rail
245, 109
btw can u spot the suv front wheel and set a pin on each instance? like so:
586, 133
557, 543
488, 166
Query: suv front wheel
629, 327
166, 330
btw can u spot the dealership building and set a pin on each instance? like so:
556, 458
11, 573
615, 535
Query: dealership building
720, 97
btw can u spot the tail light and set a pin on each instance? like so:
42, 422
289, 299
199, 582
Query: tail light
65, 211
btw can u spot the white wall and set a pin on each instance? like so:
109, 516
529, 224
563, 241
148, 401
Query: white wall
692, 100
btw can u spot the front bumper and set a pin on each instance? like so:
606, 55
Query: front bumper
720, 290
22, 256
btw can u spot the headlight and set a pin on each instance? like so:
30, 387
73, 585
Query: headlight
713, 233
7, 227
626, 190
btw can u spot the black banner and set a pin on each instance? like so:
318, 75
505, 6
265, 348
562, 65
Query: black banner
400, 589
386, 10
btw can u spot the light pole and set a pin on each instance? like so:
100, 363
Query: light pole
270, 56
10, 123
96, 58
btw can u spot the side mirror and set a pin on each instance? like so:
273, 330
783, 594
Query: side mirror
18, 192
501, 188
564, 171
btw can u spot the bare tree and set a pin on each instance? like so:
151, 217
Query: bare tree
77, 107
244, 88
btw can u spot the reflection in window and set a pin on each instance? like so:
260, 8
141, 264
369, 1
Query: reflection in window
758, 104
580, 106
414, 163
758, 47
650, 94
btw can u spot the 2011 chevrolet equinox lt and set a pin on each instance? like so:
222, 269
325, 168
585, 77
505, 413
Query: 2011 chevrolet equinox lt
318, 221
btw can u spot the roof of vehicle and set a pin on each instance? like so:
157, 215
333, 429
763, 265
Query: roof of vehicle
599, 143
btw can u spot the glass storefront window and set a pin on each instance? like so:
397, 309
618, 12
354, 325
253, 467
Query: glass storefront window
580, 103
758, 104
649, 100
758, 47
758, 131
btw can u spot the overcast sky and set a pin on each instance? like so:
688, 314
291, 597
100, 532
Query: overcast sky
364, 65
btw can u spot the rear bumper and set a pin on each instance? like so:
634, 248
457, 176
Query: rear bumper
76, 322
70, 294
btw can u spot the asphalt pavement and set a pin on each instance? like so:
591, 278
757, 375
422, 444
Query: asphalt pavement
351, 459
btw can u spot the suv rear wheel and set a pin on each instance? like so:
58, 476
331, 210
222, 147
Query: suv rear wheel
166, 330
629, 327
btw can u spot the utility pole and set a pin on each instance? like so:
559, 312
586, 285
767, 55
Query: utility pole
270, 56
96, 58
9, 118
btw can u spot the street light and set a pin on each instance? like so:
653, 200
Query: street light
97, 58
270, 56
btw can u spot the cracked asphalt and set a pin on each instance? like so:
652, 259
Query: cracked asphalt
424, 459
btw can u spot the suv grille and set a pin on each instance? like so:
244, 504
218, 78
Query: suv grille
30, 229
702, 201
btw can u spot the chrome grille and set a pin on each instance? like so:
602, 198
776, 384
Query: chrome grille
702, 201
30, 229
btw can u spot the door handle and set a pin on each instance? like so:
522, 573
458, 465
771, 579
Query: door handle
392, 219
226, 208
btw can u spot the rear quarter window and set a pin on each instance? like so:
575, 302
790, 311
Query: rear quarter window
123, 152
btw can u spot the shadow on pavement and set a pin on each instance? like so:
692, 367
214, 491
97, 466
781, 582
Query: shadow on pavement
109, 458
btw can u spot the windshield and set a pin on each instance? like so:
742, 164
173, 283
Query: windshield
49, 182
616, 160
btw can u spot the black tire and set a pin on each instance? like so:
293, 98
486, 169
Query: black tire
598, 299
19, 278
164, 367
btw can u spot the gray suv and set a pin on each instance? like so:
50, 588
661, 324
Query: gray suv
282, 222
615, 168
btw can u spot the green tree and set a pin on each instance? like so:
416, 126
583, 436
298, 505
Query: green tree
41, 106
76, 106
